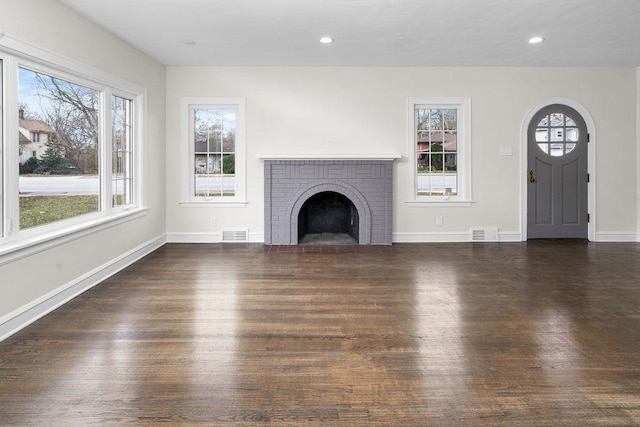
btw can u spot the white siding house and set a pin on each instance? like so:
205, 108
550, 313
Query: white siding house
33, 137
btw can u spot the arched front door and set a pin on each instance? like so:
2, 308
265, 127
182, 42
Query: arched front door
557, 174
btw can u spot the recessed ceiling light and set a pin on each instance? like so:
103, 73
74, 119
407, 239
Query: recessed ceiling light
190, 42
535, 40
326, 40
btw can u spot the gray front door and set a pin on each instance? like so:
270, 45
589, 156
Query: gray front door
557, 174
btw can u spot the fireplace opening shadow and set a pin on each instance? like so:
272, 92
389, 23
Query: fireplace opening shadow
328, 218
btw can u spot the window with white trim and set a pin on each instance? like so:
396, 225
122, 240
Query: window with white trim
214, 148
440, 149
71, 180
2, 228
122, 151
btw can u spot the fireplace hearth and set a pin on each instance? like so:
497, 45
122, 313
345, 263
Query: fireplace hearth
311, 201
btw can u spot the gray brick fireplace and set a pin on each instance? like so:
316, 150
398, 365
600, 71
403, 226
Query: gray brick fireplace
366, 182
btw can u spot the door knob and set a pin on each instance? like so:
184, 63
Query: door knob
531, 177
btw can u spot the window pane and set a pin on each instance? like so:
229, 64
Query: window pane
572, 134
544, 147
556, 149
436, 151
557, 134
557, 119
121, 165
544, 122
215, 133
58, 172
542, 135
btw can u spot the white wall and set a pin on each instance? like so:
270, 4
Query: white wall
37, 280
363, 110
638, 148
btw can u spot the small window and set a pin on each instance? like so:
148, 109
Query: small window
557, 134
35, 136
215, 145
122, 152
440, 149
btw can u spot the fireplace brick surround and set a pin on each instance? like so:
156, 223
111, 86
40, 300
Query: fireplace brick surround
288, 183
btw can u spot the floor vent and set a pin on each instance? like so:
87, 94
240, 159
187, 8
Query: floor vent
235, 236
486, 234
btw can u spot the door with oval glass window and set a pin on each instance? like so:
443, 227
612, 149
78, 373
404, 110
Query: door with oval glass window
557, 174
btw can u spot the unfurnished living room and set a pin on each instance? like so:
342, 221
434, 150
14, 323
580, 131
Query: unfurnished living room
338, 212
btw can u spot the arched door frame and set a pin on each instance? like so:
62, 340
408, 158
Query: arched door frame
591, 161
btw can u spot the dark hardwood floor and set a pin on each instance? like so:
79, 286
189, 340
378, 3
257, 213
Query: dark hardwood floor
534, 334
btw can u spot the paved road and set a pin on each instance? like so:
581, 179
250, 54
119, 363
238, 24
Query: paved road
75, 184
90, 184
438, 182
215, 185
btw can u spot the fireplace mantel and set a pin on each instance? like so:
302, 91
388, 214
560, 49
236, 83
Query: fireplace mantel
373, 157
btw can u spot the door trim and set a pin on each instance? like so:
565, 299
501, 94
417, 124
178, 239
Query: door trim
591, 162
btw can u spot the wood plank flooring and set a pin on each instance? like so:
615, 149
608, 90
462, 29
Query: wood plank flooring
539, 333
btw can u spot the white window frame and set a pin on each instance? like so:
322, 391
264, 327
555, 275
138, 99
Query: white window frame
187, 106
463, 107
16, 243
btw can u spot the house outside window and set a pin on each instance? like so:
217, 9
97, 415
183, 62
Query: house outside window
215, 150
440, 150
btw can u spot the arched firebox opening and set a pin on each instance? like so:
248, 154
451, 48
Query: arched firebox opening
328, 218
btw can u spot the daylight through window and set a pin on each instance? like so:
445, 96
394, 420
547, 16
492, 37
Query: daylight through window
214, 145
122, 152
437, 149
440, 149
59, 165
214, 152
75, 135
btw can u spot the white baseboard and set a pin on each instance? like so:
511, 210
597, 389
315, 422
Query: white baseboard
451, 237
23, 316
510, 236
216, 237
616, 236
194, 237
428, 237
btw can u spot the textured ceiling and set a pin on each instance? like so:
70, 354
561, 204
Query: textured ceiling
375, 32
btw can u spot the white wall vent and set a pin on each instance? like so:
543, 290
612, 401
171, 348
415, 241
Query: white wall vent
235, 236
484, 234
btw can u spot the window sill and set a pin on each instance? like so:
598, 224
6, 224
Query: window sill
218, 203
13, 250
445, 203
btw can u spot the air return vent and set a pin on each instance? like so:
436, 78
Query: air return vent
235, 236
484, 234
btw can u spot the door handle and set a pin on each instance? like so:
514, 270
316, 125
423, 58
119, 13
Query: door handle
531, 177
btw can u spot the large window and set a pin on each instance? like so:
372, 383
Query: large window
61, 180
75, 133
214, 144
440, 149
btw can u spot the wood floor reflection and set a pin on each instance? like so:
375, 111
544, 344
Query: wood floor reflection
538, 333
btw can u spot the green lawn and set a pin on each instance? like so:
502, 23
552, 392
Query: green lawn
40, 210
